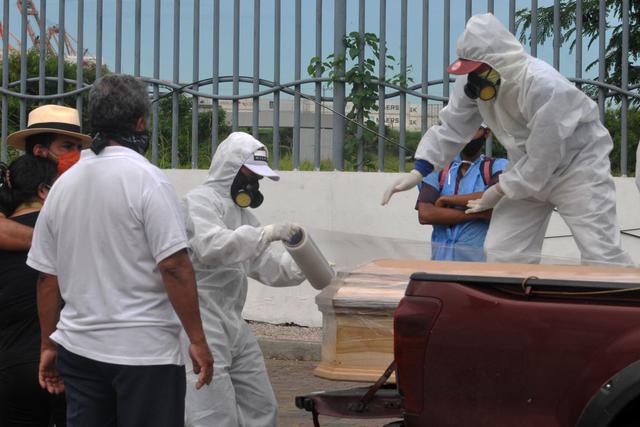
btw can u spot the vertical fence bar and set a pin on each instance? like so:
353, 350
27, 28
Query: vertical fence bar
61, 38
602, 70
216, 71
488, 147
424, 108
360, 118
296, 98
136, 54
5, 82
80, 58
318, 112
467, 10
579, 41
98, 39
512, 16
256, 68
42, 71
534, 27
196, 77
118, 60
276, 82
382, 71
624, 105
236, 64
402, 154
175, 106
339, 32
445, 48
24, 64
156, 75
556, 34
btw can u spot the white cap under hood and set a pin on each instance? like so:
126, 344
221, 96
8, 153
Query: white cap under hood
231, 154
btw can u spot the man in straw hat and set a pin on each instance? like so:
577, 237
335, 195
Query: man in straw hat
53, 132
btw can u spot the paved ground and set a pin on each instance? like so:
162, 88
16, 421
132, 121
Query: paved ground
291, 378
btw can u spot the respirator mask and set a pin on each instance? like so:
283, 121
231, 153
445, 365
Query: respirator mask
483, 85
245, 191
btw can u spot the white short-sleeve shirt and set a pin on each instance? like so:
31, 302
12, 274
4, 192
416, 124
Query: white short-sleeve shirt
106, 224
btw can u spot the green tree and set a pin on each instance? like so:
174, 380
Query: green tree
51, 87
89, 74
590, 22
165, 124
363, 95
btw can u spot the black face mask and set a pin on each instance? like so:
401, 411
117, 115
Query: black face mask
138, 141
482, 85
473, 147
245, 191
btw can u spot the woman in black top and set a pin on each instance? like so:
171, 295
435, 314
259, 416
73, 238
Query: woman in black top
23, 187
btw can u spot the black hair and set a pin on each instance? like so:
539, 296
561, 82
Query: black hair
44, 139
25, 176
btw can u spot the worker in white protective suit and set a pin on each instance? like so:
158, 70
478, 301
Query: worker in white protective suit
558, 149
227, 245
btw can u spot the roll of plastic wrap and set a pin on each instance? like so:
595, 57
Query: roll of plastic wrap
313, 264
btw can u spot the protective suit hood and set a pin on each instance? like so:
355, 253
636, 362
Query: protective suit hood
485, 39
229, 158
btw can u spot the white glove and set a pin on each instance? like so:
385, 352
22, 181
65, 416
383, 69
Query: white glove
404, 183
489, 199
280, 231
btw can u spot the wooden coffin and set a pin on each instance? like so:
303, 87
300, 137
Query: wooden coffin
357, 308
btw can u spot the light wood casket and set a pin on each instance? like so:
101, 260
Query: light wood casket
357, 308
357, 319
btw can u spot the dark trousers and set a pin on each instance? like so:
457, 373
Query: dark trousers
105, 394
24, 403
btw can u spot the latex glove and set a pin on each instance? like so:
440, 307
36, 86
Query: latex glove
404, 183
489, 199
280, 231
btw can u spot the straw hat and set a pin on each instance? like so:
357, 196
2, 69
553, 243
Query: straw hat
50, 119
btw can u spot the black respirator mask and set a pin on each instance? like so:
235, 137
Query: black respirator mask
473, 146
245, 191
483, 85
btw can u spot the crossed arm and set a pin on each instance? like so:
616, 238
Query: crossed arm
449, 210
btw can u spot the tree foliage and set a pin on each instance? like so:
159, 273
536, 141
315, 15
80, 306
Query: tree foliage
363, 95
590, 22
89, 74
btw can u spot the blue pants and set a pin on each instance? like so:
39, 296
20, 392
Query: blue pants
105, 394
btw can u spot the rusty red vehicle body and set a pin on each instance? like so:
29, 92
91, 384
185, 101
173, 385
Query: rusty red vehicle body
508, 351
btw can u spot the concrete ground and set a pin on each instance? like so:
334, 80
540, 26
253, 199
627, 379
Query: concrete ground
291, 378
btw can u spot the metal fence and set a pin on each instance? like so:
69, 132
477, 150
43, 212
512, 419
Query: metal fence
210, 87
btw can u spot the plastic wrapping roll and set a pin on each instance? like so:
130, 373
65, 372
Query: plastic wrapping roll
313, 264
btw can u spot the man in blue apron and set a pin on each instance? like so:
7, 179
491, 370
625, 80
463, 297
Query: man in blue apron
457, 236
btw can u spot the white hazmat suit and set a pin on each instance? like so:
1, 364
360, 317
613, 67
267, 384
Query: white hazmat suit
227, 244
558, 150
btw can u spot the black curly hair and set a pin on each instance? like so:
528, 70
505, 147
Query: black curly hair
21, 180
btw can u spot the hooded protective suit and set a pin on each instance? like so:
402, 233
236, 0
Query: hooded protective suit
226, 245
558, 150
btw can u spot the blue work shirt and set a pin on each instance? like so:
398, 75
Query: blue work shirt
464, 241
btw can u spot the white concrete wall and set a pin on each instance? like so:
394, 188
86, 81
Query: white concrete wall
342, 212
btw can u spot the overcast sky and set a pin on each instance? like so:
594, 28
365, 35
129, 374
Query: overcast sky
414, 32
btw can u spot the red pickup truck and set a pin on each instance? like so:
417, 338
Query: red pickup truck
508, 345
